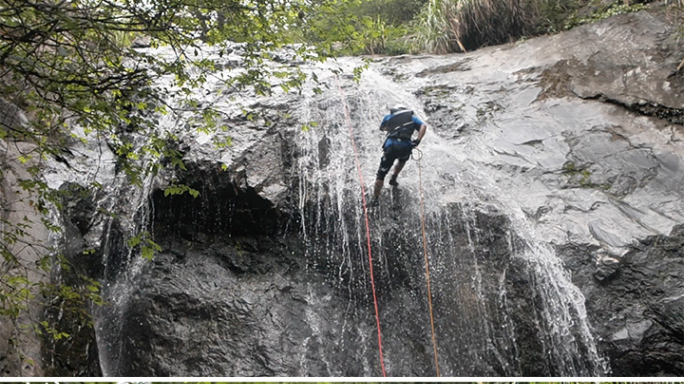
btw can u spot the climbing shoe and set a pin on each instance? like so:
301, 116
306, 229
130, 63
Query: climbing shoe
393, 181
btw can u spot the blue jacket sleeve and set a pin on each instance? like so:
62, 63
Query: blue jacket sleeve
383, 124
417, 123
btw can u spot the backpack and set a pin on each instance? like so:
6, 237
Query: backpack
400, 125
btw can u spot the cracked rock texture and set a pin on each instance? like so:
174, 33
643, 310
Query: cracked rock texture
636, 302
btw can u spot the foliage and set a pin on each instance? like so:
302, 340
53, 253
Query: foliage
386, 25
144, 241
334, 28
365, 27
18, 292
581, 176
613, 9
431, 30
379, 37
462, 25
392, 12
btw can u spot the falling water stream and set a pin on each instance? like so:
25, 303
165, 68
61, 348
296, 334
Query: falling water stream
122, 266
475, 329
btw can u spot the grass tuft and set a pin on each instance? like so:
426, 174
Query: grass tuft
463, 25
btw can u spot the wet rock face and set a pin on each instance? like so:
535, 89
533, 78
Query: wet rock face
636, 303
232, 308
261, 305
605, 170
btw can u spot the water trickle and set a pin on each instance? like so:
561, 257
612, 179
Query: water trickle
122, 266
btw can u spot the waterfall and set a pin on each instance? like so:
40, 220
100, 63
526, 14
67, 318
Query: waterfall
122, 266
526, 174
503, 303
486, 263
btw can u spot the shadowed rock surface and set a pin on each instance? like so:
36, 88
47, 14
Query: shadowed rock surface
636, 302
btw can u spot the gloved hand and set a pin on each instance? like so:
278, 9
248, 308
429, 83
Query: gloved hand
415, 143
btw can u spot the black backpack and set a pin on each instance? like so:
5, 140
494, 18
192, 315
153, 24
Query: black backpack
400, 125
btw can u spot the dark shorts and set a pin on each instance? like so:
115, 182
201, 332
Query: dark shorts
393, 150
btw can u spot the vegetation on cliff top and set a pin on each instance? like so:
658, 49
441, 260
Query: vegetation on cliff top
444, 26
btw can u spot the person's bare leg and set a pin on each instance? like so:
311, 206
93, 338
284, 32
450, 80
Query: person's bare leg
377, 188
397, 169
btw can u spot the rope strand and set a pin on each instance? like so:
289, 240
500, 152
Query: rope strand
427, 264
365, 213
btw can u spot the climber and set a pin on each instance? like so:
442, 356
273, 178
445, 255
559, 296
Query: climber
400, 125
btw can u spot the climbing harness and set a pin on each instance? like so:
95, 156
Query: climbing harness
365, 213
425, 252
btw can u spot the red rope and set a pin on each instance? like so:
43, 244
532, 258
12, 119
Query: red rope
365, 213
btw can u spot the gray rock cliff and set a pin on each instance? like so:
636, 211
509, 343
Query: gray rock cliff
552, 176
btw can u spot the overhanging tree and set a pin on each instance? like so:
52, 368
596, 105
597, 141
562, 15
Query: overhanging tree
74, 68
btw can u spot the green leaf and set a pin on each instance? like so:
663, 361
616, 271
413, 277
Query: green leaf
147, 253
134, 241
